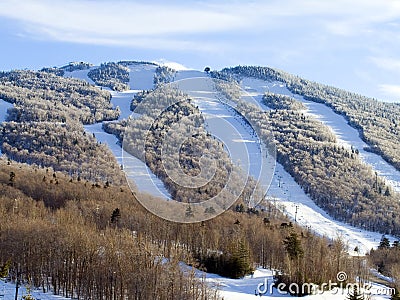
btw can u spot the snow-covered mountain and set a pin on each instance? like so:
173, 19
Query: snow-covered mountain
224, 122
284, 189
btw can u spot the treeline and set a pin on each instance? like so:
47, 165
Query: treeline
277, 101
76, 66
64, 147
378, 122
72, 66
112, 75
386, 259
47, 97
100, 243
128, 63
164, 74
44, 127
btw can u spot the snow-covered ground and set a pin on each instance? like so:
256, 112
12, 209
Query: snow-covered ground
228, 289
283, 191
171, 64
7, 292
290, 197
262, 281
141, 76
3, 109
80, 74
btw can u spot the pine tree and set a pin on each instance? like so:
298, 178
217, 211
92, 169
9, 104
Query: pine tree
384, 243
293, 246
240, 262
116, 216
12, 179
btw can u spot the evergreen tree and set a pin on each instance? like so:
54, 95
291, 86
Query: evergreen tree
385, 243
293, 246
355, 294
12, 179
115, 216
240, 262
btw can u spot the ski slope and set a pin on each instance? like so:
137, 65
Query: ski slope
286, 193
80, 74
346, 135
283, 191
240, 140
3, 111
141, 78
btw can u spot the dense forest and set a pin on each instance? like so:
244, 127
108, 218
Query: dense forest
79, 239
45, 125
112, 75
163, 74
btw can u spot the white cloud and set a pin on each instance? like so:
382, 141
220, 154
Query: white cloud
185, 25
386, 63
391, 90
117, 18
133, 18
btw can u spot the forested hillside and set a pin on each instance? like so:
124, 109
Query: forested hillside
378, 122
70, 224
112, 75
334, 177
150, 133
45, 125
97, 233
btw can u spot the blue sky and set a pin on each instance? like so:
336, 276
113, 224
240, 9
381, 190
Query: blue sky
353, 45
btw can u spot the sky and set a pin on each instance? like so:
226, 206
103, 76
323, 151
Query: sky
353, 45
